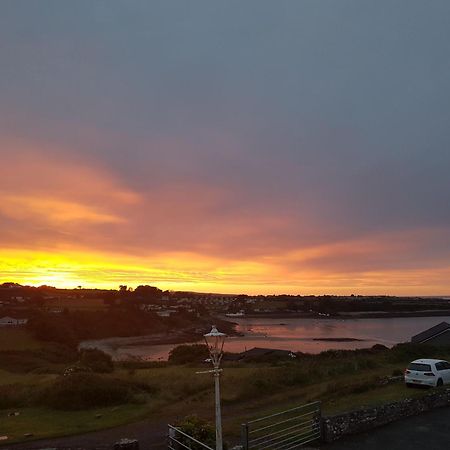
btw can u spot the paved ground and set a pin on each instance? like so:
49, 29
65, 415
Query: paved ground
429, 431
151, 436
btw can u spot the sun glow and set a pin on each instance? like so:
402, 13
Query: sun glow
187, 271
88, 227
170, 271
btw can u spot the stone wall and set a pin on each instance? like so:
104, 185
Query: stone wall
335, 427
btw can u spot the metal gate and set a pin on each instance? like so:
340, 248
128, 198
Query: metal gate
178, 440
285, 430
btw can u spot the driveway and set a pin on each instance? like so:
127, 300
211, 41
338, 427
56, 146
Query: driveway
151, 436
428, 431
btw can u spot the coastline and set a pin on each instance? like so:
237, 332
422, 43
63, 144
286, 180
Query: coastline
111, 346
188, 336
356, 315
127, 348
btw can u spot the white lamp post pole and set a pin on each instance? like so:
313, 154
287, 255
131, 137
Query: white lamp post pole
215, 340
219, 444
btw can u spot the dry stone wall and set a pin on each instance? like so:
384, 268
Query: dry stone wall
335, 427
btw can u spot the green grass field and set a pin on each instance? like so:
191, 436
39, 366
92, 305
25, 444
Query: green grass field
183, 392
341, 381
24, 378
44, 423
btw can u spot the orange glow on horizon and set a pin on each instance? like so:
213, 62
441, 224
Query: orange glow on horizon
190, 272
70, 223
300, 150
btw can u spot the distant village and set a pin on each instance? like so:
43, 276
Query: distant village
18, 303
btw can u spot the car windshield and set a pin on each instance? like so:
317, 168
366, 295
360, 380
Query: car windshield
420, 367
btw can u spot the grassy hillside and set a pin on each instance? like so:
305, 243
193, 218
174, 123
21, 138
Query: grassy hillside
17, 338
76, 304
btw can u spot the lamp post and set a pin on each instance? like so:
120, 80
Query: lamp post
214, 341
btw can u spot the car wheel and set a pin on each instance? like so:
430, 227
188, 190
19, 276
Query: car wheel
439, 382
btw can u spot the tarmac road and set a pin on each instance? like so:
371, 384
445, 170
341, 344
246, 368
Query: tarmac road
428, 431
151, 436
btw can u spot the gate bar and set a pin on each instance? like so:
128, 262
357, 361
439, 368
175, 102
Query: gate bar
300, 436
283, 421
284, 412
298, 427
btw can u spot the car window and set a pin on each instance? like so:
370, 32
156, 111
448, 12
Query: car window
420, 367
446, 365
440, 366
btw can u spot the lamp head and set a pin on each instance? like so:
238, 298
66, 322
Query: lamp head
215, 340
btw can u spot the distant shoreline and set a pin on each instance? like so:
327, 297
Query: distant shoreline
111, 345
356, 315
338, 339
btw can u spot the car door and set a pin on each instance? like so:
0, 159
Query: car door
446, 372
441, 371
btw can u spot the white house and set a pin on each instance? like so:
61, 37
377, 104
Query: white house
165, 313
11, 322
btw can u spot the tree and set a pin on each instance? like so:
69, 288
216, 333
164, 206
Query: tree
96, 360
110, 298
50, 329
148, 293
187, 354
38, 300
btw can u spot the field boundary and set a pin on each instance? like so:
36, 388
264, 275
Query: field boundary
337, 426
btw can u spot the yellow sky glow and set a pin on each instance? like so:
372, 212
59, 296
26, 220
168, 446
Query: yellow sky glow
68, 224
190, 272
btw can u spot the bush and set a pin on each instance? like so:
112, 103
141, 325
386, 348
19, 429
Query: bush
261, 383
408, 352
366, 363
133, 365
43, 370
57, 353
68, 371
50, 329
343, 368
12, 396
86, 390
20, 361
46, 360
199, 429
343, 388
96, 360
187, 354
294, 377
378, 348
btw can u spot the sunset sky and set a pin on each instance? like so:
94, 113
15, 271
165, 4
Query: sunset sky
233, 146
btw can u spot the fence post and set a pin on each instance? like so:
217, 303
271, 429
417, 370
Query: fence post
319, 419
172, 435
244, 436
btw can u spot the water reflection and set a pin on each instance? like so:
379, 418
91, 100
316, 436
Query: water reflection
302, 334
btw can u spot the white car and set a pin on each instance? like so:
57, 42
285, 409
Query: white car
427, 372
